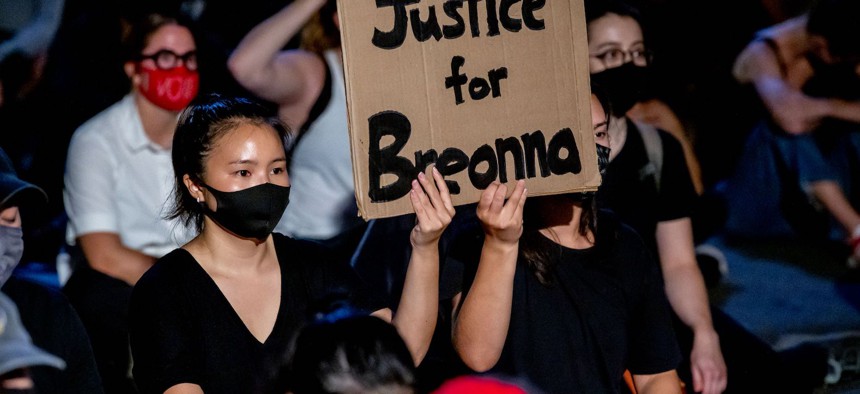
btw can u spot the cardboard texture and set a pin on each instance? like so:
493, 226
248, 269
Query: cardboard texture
480, 87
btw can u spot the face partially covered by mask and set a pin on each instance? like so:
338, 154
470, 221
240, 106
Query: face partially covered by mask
625, 85
170, 89
11, 251
250, 213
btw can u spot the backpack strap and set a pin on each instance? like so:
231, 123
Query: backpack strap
654, 149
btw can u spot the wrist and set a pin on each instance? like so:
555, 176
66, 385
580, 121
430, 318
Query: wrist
495, 244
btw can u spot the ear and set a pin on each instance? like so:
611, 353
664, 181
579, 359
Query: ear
336, 20
130, 69
194, 189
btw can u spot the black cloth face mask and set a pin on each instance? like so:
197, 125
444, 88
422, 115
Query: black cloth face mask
249, 213
602, 158
624, 85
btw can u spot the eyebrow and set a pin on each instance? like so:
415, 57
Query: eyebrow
616, 44
601, 124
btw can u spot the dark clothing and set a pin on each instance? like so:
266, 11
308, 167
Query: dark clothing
102, 304
55, 327
604, 312
184, 330
629, 190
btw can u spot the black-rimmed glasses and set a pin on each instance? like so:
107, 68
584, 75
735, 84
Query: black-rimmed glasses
166, 59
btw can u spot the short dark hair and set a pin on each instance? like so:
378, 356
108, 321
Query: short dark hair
836, 21
595, 9
351, 353
207, 119
139, 31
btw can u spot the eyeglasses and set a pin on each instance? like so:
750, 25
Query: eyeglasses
616, 57
166, 59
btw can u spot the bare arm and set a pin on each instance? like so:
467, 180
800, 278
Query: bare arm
481, 323
106, 254
792, 110
416, 314
661, 383
685, 289
260, 65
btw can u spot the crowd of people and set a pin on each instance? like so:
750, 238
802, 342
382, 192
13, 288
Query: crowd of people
210, 250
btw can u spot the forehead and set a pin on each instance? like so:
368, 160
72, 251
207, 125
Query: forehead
598, 115
245, 138
171, 36
614, 28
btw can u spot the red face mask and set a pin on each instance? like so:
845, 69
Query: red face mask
170, 89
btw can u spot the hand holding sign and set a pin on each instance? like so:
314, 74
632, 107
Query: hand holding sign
433, 208
502, 221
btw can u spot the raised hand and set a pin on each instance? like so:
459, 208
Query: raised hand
502, 221
431, 201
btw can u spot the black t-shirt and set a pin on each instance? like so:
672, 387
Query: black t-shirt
628, 187
604, 312
184, 330
55, 327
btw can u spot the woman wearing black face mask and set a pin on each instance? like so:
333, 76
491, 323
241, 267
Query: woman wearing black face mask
652, 193
216, 315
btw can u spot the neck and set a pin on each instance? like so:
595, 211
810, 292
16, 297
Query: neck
159, 124
230, 255
561, 217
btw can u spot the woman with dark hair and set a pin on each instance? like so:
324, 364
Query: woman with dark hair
214, 315
568, 298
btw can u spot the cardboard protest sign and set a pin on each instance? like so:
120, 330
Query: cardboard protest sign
485, 89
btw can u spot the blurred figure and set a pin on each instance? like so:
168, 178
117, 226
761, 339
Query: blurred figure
17, 352
345, 352
806, 71
118, 177
307, 84
46, 313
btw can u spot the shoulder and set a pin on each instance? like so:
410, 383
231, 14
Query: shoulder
615, 237
103, 128
30, 295
170, 272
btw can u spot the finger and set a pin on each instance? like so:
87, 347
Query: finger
697, 379
515, 201
499, 198
417, 206
422, 197
443, 191
431, 191
487, 198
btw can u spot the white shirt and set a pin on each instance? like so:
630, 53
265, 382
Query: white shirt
322, 190
118, 181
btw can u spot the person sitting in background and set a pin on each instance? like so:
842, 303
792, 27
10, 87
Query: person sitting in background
657, 204
806, 71
17, 352
46, 313
118, 177
307, 84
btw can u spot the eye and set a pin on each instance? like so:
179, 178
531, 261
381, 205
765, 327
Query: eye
613, 55
600, 134
279, 170
243, 173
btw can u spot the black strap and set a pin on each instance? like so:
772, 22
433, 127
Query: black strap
319, 106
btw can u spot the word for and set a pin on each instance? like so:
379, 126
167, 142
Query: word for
498, 13
479, 88
529, 155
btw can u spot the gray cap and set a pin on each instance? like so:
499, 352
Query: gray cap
16, 348
12, 187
